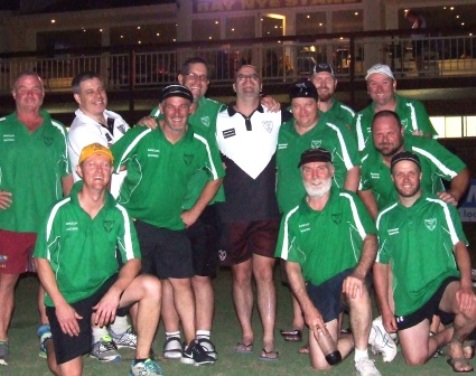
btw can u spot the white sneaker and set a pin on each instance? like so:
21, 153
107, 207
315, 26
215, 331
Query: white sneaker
366, 367
381, 342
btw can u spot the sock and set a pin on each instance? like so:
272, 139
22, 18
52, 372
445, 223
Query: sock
98, 333
203, 334
139, 360
172, 334
120, 325
359, 354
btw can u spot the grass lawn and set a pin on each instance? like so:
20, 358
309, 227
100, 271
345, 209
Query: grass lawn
24, 360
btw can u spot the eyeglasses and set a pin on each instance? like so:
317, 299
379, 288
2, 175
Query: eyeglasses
196, 77
252, 77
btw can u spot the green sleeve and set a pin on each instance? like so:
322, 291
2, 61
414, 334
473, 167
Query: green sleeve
423, 119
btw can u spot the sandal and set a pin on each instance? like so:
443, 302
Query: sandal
172, 348
244, 348
462, 362
294, 335
269, 356
304, 350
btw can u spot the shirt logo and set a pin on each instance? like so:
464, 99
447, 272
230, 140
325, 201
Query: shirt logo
71, 226
268, 126
316, 144
108, 225
227, 133
48, 140
393, 231
188, 159
205, 121
304, 227
337, 218
374, 175
153, 153
8, 138
430, 223
282, 146
121, 128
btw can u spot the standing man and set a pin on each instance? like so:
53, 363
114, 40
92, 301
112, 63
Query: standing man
381, 86
79, 251
329, 244
167, 159
34, 174
310, 129
93, 122
422, 243
247, 135
389, 138
325, 81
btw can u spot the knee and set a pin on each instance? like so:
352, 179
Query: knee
263, 273
415, 359
152, 288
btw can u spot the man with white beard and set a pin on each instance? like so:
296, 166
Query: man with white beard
329, 244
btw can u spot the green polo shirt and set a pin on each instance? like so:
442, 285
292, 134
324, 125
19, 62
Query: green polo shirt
412, 114
328, 241
32, 166
203, 122
329, 135
437, 163
418, 244
159, 173
83, 252
339, 113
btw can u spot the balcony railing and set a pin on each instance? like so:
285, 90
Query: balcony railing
280, 60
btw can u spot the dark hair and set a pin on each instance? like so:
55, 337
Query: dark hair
83, 76
193, 60
387, 113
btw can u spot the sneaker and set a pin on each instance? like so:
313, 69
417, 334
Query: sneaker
105, 350
366, 367
3, 353
148, 367
126, 339
381, 342
196, 355
172, 348
209, 347
43, 333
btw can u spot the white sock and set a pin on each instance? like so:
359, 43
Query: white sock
359, 354
98, 333
203, 334
120, 325
172, 334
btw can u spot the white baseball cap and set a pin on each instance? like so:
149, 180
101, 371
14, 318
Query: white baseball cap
380, 68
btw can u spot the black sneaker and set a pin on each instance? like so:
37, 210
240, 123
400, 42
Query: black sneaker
196, 355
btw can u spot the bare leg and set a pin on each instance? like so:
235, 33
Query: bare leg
170, 316
263, 274
7, 299
360, 319
205, 298
41, 306
73, 367
185, 305
243, 298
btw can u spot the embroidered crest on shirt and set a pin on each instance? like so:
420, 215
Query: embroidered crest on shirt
316, 144
108, 225
268, 125
48, 140
430, 223
336, 218
205, 121
188, 158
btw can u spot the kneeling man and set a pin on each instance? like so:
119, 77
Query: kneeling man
329, 244
423, 244
78, 254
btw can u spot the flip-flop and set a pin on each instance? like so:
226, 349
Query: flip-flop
304, 350
294, 335
244, 348
269, 356
452, 363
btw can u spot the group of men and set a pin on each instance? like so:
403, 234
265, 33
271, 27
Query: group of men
151, 206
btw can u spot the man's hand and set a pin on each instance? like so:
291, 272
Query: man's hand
149, 122
271, 104
68, 319
188, 218
314, 319
465, 298
105, 310
354, 285
5, 199
389, 322
448, 197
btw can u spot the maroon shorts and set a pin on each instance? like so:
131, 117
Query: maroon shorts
15, 251
243, 239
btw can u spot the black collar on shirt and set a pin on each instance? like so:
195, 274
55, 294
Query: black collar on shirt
232, 111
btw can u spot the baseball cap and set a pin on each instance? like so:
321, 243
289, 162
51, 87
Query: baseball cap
405, 156
303, 89
175, 91
93, 149
315, 155
380, 68
322, 67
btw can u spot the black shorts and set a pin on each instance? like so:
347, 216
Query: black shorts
165, 253
243, 239
203, 235
67, 347
428, 309
327, 297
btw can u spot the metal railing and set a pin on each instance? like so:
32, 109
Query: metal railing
280, 60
